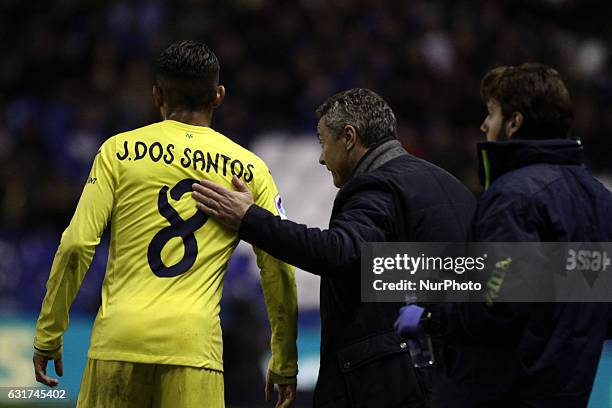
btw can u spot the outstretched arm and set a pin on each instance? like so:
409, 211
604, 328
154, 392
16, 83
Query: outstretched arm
363, 218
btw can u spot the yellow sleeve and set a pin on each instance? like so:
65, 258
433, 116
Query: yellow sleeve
280, 293
76, 249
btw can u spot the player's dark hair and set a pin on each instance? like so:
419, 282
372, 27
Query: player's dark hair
535, 90
188, 73
362, 108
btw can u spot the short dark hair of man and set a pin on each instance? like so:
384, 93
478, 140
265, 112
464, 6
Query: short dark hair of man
535, 90
363, 109
188, 74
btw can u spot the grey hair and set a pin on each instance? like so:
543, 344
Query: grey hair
363, 109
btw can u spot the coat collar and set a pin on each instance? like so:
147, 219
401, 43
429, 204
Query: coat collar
497, 158
376, 156
379, 154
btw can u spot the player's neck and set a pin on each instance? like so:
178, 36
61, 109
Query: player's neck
195, 118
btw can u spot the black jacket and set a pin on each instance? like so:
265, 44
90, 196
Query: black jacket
536, 355
393, 197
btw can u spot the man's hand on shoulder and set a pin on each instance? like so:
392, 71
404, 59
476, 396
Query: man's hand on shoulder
225, 206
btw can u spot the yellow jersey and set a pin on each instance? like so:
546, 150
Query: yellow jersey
166, 264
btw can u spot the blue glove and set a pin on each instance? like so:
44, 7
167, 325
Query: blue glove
408, 323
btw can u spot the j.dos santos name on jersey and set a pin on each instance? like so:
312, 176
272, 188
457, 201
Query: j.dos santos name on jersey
195, 158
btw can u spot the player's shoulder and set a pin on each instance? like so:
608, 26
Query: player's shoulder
151, 129
243, 153
110, 144
133, 133
237, 149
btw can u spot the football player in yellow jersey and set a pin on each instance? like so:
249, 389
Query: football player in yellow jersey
156, 340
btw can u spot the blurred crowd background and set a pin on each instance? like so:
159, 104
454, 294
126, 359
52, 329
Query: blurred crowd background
73, 73
76, 72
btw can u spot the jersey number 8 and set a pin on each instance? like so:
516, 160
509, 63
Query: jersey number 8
178, 228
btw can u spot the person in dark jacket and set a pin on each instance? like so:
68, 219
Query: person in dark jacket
537, 189
385, 195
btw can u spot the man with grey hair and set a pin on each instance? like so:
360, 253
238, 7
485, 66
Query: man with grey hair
385, 195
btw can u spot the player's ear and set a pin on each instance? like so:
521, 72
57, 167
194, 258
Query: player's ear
349, 137
158, 96
514, 124
219, 96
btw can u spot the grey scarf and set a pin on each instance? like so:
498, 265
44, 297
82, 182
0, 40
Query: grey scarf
379, 155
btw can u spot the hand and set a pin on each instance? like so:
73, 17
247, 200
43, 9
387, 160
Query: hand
286, 394
40, 369
225, 206
408, 322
